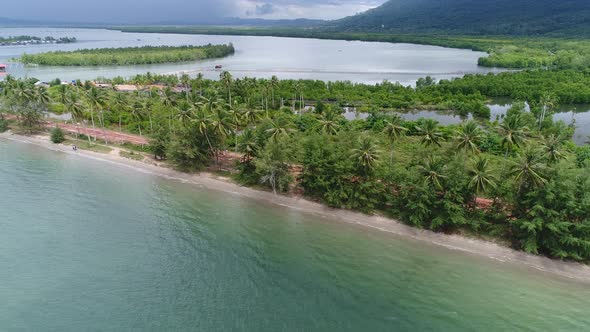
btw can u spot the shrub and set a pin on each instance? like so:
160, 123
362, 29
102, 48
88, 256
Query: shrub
57, 135
3, 125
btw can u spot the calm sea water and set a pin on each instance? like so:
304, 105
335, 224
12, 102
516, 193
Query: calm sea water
257, 57
86, 245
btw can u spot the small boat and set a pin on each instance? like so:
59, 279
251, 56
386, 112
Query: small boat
218, 67
3, 68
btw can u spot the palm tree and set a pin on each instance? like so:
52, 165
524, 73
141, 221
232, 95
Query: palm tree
394, 131
95, 100
227, 80
366, 155
185, 80
137, 112
430, 132
62, 93
202, 121
432, 169
299, 95
529, 170
552, 147
547, 102
167, 98
120, 104
236, 118
274, 83
329, 123
482, 176
468, 137
250, 115
279, 128
185, 114
248, 145
41, 96
221, 126
513, 134
199, 81
74, 106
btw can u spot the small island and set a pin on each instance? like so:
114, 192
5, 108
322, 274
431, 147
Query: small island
129, 55
31, 40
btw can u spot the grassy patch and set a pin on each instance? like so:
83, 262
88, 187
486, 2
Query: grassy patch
84, 145
131, 155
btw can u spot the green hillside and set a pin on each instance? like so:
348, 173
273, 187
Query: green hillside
474, 17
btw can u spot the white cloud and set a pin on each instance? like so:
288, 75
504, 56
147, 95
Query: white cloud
132, 11
291, 9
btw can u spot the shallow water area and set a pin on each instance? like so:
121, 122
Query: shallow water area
90, 244
261, 57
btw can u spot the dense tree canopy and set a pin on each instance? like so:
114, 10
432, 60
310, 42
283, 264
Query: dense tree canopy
128, 55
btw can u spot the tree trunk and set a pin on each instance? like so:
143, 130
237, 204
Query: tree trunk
93, 126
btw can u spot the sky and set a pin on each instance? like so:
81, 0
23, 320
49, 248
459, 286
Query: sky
141, 11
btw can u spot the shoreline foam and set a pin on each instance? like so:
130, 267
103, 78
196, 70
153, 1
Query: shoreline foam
571, 270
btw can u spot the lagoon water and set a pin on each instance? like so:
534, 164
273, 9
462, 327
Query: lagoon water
262, 57
86, 245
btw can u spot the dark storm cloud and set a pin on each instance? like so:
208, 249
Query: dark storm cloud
134, 11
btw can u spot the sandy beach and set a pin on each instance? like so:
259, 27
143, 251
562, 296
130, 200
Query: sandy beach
478, 247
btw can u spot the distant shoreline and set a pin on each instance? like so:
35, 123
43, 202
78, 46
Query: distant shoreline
570, 270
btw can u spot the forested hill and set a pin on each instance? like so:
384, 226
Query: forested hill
495, 17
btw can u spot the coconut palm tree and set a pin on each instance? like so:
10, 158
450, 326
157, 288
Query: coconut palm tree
482, 176
202, 121
250, 115
529, 170
394, 130
221, 126
513, 132
137, 112
75, 107
227, 80
329, 123
185, 114
468, 137
432, 169
430, 132
119, 103
199, 82
552, 145
63, 91
274, 84
248, 145
95, 100
280, 127
366, 155
185, 80
168, 100
236, 117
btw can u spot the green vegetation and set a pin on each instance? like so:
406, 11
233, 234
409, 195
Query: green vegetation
84, 145
129, 55
131, 155
57, 135
520, 179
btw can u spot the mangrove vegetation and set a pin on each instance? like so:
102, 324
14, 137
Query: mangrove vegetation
129, 55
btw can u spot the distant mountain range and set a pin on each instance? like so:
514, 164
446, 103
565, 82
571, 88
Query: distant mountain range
495, 17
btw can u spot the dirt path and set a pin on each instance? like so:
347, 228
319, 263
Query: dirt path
100, 134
